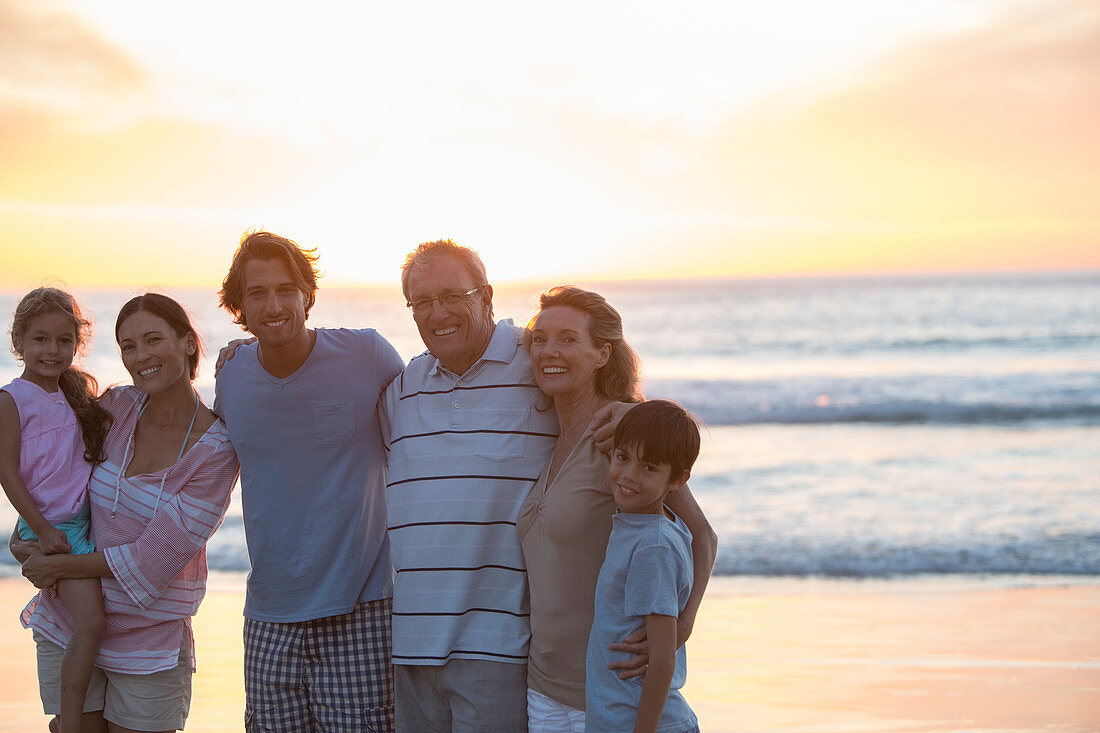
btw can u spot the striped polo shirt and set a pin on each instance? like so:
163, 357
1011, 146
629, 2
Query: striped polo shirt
464, 452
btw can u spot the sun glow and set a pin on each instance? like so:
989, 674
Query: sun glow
614, 140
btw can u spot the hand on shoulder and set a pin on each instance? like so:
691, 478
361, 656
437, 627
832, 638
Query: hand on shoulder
227, 352
604, 423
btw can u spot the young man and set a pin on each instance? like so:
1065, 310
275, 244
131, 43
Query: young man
646, 576
300, 407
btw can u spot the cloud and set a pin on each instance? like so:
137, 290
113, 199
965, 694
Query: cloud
53, 61
998, 123
976, 137
961, 150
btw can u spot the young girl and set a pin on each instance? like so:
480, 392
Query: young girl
51, 433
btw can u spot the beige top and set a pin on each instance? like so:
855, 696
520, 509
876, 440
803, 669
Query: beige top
564, 529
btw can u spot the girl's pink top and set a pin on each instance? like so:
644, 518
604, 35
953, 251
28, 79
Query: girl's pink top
154, 542
51, 451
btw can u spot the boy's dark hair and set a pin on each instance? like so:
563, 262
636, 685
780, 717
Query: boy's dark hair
661, 432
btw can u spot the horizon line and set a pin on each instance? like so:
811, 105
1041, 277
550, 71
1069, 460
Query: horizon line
611, 279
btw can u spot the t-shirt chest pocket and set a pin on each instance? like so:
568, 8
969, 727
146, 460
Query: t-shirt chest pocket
334, 422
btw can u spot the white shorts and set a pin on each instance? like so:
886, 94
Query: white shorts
550, 716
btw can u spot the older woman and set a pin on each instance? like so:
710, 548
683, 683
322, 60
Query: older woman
583, 364
155, 501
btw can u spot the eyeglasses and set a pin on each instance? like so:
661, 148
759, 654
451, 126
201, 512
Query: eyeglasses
448, 299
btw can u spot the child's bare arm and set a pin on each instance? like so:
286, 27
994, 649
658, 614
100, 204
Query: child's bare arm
661, 633
21, 549
46, 570
50, 539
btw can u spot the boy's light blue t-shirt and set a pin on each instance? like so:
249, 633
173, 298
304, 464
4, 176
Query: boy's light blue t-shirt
312, 475
647, 570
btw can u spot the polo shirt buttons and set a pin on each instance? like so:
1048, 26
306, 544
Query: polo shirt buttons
458, 405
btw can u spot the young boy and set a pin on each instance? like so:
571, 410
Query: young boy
646, 576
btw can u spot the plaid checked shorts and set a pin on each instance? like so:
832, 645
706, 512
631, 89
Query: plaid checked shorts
327, 674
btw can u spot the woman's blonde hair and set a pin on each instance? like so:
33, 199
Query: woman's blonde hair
618, 378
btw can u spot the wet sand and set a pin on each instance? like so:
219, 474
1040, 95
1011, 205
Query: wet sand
784, 655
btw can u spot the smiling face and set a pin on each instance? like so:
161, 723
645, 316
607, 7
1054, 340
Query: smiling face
563, 354
47, 347
274, 307
640, 486
457, 335
156, 357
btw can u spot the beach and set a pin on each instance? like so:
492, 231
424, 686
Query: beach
854, 240
901, 471
775, 654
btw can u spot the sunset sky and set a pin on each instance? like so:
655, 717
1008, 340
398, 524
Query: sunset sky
574, 140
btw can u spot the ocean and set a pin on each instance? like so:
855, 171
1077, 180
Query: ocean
860, 427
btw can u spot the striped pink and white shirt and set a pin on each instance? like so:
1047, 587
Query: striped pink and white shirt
154, 542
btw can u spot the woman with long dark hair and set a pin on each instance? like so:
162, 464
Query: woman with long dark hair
156, 498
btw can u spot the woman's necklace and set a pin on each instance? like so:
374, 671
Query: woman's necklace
130, 443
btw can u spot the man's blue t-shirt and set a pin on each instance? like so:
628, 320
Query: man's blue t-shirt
312, 475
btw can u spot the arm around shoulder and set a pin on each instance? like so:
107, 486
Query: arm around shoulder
704, 551
386, 358
604, 423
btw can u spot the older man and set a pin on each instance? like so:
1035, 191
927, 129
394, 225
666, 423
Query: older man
466, 444
467, 441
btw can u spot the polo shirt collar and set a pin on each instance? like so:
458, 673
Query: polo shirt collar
504, 342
